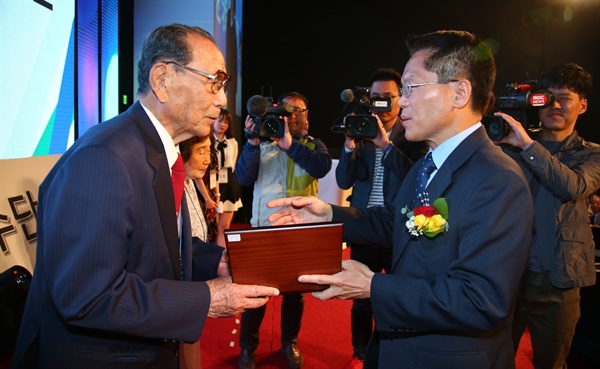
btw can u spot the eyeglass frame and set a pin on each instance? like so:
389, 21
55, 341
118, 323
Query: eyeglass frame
213, 77
411, 86
299, 112
377, 96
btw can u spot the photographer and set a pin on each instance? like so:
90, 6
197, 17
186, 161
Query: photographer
563, 171
281, 167
375, 168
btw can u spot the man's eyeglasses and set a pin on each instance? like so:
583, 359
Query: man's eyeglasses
407, 87
219, 80
298, 112
384, 97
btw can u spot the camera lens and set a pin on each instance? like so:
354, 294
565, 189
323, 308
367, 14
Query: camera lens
271, 126
362, 126
495, 126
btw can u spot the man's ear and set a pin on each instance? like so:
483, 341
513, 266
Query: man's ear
462, 93
159, 78
584, 106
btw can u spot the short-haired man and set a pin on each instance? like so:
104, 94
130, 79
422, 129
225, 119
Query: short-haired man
374, 169
563, 171
448, 299
280, 166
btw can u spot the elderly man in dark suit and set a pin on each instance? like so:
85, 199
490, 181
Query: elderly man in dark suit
112, 286
460, 246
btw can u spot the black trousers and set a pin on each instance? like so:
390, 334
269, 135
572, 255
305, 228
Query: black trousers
292, 308
361, 315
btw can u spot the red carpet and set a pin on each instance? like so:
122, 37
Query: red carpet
324, 338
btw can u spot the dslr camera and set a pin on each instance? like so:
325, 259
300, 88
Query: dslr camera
521, 102
266, 116
362, 124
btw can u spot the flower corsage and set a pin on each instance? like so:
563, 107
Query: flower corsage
428, 220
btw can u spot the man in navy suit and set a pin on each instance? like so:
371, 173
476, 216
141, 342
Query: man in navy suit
374, 169
112, 285
448, 299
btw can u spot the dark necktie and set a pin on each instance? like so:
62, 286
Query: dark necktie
427, 167
221, 145
177, 178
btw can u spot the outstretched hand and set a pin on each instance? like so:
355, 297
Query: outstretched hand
230, 299
298, 210
353, 282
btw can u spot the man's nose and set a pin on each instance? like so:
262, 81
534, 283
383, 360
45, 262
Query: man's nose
402, 101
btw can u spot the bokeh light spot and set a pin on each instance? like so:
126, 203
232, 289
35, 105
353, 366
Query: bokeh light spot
541, 16
568, 14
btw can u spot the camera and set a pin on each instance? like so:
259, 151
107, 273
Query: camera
521, 102
362, 124
266, 117
14, 287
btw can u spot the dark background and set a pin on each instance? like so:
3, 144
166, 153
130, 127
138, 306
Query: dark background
320, 48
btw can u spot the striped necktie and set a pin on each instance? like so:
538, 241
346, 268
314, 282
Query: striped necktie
427, 167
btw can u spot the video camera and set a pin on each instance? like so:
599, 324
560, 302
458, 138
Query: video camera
266, 117
14, 288
521, 102
362, 124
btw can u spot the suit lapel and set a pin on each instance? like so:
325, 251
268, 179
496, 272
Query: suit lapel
438, 186
403, 199
368, 152
163, 189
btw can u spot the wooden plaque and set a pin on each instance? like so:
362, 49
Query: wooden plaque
276, 256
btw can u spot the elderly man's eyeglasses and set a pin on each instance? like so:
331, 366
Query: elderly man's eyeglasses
219, 80
407, 87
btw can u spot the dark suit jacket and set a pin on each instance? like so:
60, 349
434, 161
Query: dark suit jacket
357, 168
106, 289
448, 300
597, 220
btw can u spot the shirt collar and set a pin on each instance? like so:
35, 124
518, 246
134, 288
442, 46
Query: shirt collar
441, 153
169, 145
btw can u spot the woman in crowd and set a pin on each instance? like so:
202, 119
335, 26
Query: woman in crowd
210, 192
195, 153
229, 188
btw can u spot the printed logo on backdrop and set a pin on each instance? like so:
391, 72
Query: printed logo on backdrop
19, 185
20, 223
